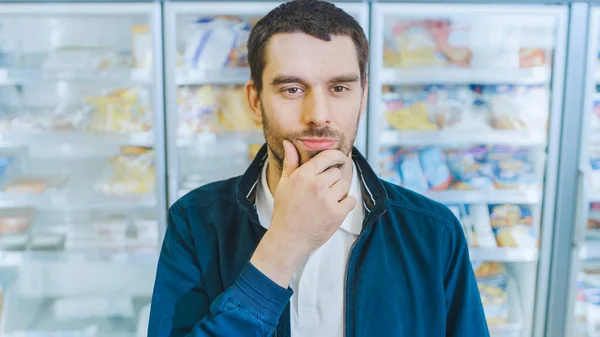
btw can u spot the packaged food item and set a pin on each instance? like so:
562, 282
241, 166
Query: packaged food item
492, 282
46, 242
580, 302
122, 110
26, 185
141, 46
517, 107
388, 166
483, 235
533, 57
412, 46
410, 117
594, 216
460, 212
512, 226
234, 113
412, 173
470, 169
14, 221
510, 215
129, 175
437, 174
215, 43
456, 107
452, 40
197, 109
512, 168
495, 44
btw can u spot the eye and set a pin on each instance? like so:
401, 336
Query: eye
293, 90
339, 88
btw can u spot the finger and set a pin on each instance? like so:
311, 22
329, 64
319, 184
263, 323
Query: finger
329, 177
325, 160
339, 190
347, 204
290, 159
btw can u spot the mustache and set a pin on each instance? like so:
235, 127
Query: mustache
323, 132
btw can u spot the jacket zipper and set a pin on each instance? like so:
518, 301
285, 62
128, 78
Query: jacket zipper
349, 298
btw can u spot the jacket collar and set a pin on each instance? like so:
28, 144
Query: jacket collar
374, 195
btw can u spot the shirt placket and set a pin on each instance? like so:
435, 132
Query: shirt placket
308, 313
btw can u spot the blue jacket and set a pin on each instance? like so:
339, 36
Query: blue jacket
408, 273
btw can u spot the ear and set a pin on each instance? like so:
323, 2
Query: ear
364, 99
254, 101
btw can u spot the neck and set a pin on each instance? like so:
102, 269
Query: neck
274, 173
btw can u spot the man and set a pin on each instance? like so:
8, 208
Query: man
309, 242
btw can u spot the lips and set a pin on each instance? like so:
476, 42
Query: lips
318, 143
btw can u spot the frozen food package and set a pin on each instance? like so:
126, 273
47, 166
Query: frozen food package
495, 44
141, 46
93, 307
593, 222
470, 169
197, 109
461, 214
412, 173
239, 53
389, 166
510, 215
517, 107
27, 185
580, 302
492, 281
122, 110
483, 235
512, 226
129, 175
534, 57
437, 174
454, 108
15, 220
512, 168
412, 45
234, 113
409, 111
212, 43
452, 40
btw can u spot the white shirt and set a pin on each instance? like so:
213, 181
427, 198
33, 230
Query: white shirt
319, 282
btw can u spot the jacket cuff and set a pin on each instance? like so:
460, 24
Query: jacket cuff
257, 291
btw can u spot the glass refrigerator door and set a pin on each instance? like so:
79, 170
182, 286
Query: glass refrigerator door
460, 111
82, 201
584, 320
211, 134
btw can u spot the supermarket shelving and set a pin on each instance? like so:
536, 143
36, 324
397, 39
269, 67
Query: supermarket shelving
390, 76
220, 76
75, 138
504, 254
462, 137
76, 200
12, 76
520, 196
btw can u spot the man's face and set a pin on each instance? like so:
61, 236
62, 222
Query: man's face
311, 96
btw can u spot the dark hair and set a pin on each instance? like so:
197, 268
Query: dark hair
319, 19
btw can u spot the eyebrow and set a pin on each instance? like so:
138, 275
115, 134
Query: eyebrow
286, 79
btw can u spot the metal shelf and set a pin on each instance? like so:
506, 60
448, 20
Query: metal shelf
76, 138
519, 196
462, 137
504, 254
531, 76
17, 259
11, 76
76, 200
214, 76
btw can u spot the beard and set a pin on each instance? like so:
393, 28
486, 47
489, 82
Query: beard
275, 140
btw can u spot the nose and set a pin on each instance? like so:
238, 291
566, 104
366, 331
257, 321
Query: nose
315, 109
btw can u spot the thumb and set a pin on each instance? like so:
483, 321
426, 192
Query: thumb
290, 160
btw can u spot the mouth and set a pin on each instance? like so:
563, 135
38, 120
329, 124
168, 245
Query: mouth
316, 144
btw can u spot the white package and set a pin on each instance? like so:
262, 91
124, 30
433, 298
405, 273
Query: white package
210, 46
480, 218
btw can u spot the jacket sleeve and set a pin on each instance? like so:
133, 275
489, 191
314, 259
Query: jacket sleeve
464, 312
181, 307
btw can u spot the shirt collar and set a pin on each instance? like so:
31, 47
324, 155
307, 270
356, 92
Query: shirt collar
265, 202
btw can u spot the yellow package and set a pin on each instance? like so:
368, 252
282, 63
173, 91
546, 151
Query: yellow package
235, 113
414, 117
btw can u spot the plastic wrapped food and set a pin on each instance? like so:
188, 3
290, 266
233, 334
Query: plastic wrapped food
388, 166
141, 46
216, 43
437, 174
512, 168
234, 114
123, 110
130, 175
492, 282
470, 169
406, 115
594, 216
457, 107
34, 184
412, 173
14, 221
517, 107
483, 235
197, 109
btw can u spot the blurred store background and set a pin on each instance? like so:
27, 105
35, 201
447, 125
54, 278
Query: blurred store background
110, 111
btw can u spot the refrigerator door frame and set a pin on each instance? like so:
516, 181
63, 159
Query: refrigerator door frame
560, 14
576, 236
153, 11
171, 10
